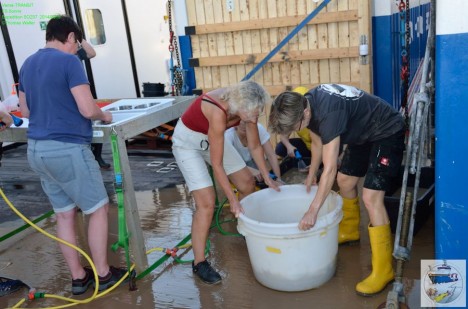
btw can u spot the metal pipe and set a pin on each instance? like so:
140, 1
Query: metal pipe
414, 154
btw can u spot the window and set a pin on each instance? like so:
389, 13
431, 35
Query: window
97, 34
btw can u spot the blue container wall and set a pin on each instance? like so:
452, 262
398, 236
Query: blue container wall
387, 43
383, 69
186, 53
451, 111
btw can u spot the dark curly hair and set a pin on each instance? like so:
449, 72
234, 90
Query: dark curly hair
59, 27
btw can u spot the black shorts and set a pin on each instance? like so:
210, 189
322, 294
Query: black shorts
379, 161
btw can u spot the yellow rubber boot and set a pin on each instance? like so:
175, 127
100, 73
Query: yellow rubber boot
382, 270
348, 231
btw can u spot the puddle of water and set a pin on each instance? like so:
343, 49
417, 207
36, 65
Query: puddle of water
166, 216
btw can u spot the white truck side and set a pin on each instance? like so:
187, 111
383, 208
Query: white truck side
126, 57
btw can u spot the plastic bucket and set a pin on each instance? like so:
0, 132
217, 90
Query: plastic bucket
154, 87
283, 257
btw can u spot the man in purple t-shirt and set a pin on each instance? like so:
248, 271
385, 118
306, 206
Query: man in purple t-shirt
54, 94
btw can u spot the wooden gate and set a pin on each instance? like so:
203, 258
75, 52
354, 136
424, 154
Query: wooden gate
229, 37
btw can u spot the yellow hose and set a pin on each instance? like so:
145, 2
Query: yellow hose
71, 300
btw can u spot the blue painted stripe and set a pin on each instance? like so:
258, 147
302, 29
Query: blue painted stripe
451, 111
383, 70
186, 53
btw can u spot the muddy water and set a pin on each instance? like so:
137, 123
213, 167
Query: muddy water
166, 219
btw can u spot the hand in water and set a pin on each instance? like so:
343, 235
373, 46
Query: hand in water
273, 184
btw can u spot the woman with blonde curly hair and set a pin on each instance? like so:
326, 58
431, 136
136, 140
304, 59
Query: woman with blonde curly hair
199, 139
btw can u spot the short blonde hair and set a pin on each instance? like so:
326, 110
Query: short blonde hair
246, 96
286, 111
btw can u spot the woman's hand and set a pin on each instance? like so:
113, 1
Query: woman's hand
311, 180
291, 150
236, 208
272, 184
309, 219
5, 119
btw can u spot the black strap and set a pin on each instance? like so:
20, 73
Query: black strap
211, 101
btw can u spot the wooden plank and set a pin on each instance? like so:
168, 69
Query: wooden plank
333, 64
232, 75
224, 75
211, 75
245, 16
237, 35
216, 77
304, 69
231, 48
313, 45
191, 12
354, 41
299, 55
273, 32
293, 45
220, 77
256, 50
199, 77
238, 41
284, 69
324, 69
256, 41
269, 69
204, 50
365, 29
218, 18
209, 19
204, 80
246, 37
229, 39
343, 35
265, 75
284, 21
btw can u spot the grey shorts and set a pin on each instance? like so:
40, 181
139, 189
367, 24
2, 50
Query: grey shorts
191, 151
70, 175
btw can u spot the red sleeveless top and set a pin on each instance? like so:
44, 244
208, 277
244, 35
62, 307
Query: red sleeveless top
195, 120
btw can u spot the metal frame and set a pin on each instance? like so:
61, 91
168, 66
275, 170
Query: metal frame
417, 142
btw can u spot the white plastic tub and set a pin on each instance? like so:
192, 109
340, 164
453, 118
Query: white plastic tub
283, 257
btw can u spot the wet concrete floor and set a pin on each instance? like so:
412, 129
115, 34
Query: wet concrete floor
166, 219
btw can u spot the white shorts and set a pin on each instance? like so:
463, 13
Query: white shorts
191, 151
